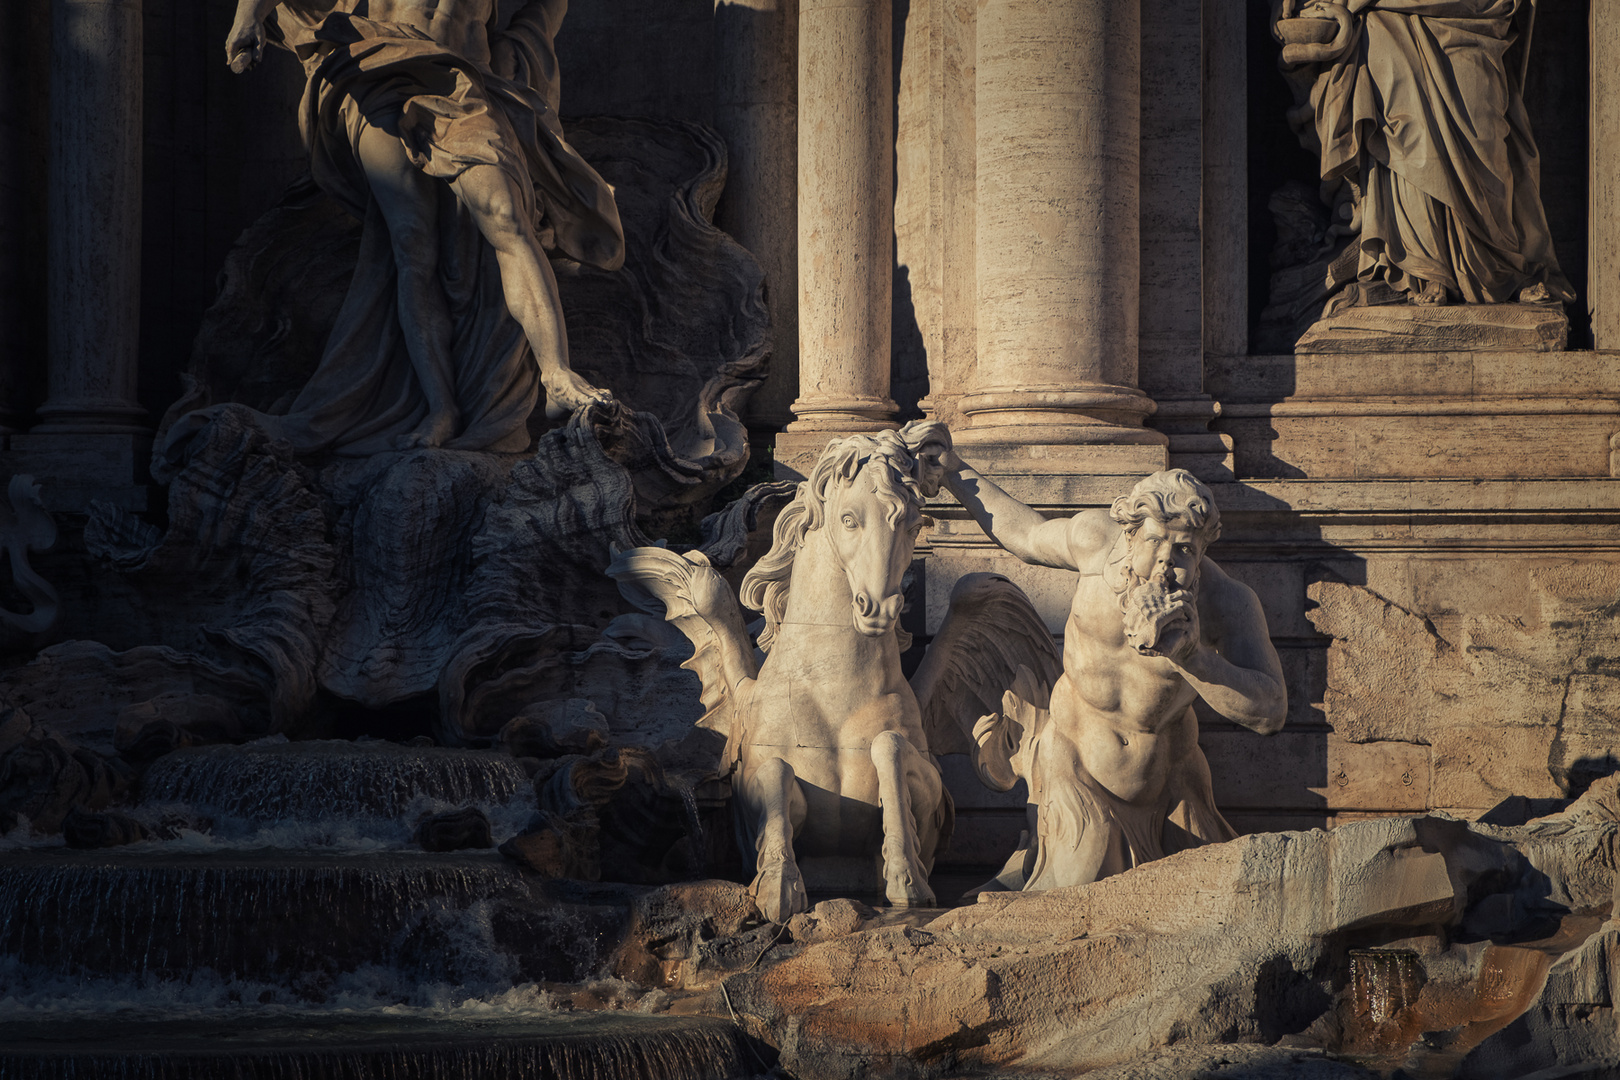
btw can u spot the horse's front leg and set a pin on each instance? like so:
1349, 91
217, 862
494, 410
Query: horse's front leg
909, 789
775, 807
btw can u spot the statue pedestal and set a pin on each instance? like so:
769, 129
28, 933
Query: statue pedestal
1453, 328
74, 468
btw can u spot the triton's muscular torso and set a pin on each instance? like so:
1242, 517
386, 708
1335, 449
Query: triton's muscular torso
1125, 711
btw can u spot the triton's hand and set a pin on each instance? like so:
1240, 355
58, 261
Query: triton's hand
244, 48
930, 442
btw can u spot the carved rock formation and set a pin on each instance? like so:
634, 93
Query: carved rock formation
455, 830
1252, 941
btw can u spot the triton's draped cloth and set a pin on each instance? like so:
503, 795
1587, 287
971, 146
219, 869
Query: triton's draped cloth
1425, 114
450, 112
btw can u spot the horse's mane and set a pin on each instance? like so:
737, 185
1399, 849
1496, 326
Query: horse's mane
765, 587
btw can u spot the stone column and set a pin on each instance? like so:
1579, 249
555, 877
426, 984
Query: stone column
1058, 141
756, 111
24, 38
1226, 179
1604, 248
846, 218
91, 441
94, 262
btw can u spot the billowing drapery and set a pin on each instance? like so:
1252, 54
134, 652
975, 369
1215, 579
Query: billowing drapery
451, 112
1425, 114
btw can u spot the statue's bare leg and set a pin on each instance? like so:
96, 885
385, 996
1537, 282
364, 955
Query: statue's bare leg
909, 789
771, 796
529, 285
408, 199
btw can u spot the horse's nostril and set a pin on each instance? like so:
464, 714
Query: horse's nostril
863, 604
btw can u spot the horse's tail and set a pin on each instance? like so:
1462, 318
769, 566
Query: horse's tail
692, 595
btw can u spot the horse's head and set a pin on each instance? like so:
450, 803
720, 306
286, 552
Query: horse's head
873, 512
867, 492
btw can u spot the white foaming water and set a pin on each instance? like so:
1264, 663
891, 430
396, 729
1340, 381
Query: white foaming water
355, 833
34, 994
328, 795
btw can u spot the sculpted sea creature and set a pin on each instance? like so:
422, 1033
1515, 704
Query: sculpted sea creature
831, 751
27, 526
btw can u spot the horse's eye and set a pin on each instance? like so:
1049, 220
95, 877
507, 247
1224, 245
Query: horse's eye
849, 521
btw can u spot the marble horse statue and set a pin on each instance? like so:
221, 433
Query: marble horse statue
830, 749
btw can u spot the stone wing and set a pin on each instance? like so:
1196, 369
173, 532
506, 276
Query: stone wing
692, 595
990, 631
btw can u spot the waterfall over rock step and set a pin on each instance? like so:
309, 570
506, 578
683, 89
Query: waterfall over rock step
574, 1046
332, 792
297, 922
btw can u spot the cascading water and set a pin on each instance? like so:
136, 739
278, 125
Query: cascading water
556, 1047
290, 927
274, 916
331, 793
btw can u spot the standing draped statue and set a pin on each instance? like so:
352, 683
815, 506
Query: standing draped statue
439, 132
1416, 109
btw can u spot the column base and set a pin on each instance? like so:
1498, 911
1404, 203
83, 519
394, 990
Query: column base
92, 418
854, 413
797, 451
1096, 414
75, 468
822, 419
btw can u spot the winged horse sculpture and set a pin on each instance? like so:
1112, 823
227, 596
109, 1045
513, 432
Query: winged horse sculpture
833, 751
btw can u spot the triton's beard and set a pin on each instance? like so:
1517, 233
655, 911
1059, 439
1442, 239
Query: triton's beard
1151, 606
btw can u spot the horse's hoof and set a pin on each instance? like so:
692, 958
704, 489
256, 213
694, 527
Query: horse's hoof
778, 892
908, 893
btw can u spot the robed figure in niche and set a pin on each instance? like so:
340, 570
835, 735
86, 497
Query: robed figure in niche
1416, 108
439, 132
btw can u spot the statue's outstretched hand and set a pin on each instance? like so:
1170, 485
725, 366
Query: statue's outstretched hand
930, 442
244, 48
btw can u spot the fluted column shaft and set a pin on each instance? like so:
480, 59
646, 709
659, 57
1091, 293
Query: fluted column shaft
95, 218
756, 110
846, 214
1058, 101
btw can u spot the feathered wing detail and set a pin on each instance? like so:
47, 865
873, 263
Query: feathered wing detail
990, 631
692, 595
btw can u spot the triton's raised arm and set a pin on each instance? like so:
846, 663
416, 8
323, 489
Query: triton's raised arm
1059, 542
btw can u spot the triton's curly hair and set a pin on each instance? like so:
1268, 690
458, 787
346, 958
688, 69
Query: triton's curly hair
1169, 496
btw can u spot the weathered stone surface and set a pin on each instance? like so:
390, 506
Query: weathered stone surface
1233, 1062
25, 527
44, 778
1518, 705
827, 920
1238, 942
558, 847
688, 935
1391, 328
549, 729
112, 829
455, 830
